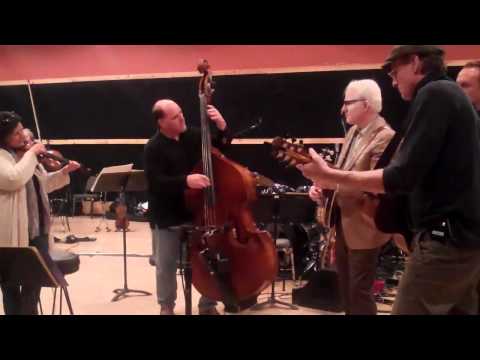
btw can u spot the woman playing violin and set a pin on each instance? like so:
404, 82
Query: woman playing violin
24, 188
49, 159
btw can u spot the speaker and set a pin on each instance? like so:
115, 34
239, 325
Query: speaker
321, 292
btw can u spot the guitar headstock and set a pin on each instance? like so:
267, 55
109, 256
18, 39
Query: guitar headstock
291, 153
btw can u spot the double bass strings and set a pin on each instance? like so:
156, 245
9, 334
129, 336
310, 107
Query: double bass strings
204, 165
209, 213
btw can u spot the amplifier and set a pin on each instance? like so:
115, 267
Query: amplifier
321, 292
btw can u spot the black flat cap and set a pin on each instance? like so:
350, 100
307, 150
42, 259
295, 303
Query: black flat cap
401, 51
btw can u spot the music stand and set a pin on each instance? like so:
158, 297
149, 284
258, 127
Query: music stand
290, 212
25, 266
121, 179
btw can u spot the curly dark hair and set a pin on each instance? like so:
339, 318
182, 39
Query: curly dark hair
8, 122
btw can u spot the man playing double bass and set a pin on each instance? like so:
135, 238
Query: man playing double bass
169, 157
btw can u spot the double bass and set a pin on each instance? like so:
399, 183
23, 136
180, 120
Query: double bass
232, 260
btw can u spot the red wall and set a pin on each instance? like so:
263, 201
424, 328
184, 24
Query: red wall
48, 61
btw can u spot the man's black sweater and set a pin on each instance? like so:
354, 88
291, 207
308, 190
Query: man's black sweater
438, 164
168, 162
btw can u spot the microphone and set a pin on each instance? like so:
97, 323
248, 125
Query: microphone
342, 121
250, 128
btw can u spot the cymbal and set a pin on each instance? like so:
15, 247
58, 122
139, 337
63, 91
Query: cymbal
262, 180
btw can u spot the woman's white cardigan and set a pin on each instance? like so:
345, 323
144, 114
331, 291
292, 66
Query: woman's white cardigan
13, 196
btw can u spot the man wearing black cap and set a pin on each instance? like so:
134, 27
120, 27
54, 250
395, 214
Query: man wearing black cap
437, 168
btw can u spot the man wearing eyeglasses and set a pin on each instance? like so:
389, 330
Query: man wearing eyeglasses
358, 241
437, 168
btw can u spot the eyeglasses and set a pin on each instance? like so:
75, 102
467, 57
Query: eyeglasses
393, 73
396, 67
353, 101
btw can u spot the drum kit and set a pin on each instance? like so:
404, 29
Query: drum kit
309, 238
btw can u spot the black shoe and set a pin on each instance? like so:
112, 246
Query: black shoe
166, 310
209, 311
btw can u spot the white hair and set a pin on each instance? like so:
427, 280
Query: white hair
369, 90
29, 132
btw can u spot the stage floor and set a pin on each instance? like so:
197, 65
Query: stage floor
101, 271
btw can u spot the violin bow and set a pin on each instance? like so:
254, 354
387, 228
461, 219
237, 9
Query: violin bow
34, 110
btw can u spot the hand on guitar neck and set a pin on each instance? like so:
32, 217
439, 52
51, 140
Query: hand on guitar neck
315, 193
295, 154
306, 160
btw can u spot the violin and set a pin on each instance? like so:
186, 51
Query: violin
121, 219
52, 160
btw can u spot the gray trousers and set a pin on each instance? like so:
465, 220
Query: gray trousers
439, 279
166, 252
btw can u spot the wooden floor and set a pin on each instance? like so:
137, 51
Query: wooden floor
101, 271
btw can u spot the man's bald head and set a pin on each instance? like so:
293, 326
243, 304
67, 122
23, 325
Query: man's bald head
168, 117
160, 107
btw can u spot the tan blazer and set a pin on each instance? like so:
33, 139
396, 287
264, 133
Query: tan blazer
359, 227
13, 196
